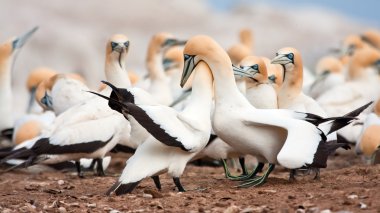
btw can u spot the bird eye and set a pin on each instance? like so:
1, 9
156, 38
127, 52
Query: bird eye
276, 54
186, 56
255, 67
126, 44
113, 44
291, 56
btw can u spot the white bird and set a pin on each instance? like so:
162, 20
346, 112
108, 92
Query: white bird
291, 95
176, 136
330, 73
272, 135
87, 130
8, 51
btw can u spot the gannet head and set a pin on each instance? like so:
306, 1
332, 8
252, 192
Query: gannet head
202, 48
254, 68
350, 44
11, 47
117, 49
369, 142
365, 62
38, 75
329, 64
288, 57
173, 58
162, 41
371, 37
43, 91
238, 52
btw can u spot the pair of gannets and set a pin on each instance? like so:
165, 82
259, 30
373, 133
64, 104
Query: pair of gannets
271, 135
8, 51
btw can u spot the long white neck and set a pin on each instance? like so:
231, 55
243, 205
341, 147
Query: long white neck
226, 90
159, 83
155, 66
200, 102
291, 87
116, 74
6, 120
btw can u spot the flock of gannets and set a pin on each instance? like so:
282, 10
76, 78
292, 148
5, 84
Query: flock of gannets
196, 101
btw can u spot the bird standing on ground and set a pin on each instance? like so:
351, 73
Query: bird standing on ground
271, 135
176, 136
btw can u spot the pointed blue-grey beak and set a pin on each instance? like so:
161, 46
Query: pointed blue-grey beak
21, 40
188, 68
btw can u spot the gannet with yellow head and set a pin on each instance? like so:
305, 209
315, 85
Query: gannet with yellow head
271, 135
35, 77
8, 51
329, 71
176, 136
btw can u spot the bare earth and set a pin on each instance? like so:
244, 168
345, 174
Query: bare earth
347, 185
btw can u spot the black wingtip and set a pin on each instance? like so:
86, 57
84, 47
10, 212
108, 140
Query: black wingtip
119, 188
359, 110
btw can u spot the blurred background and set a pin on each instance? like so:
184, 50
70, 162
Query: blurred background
72, 36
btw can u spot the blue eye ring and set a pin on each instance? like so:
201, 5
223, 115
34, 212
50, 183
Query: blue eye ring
186, 56
255, 67
114, 44
126, 44
290, 56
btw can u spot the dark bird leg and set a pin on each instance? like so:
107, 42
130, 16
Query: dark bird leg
92, 165
99, 167
317, 174
258, 181
243, 168
157, 182
178, 184
79, 169
292, 175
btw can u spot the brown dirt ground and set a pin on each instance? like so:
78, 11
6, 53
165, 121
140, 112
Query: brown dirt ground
347, 185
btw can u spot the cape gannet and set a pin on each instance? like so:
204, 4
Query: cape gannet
8, 51
176, 136
35, 77
271, 135
329, 71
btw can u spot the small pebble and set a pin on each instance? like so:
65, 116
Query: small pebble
147, 195
114, 211
352, 196
232, 209
61, 182
62, 210
326, 211
91, 205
